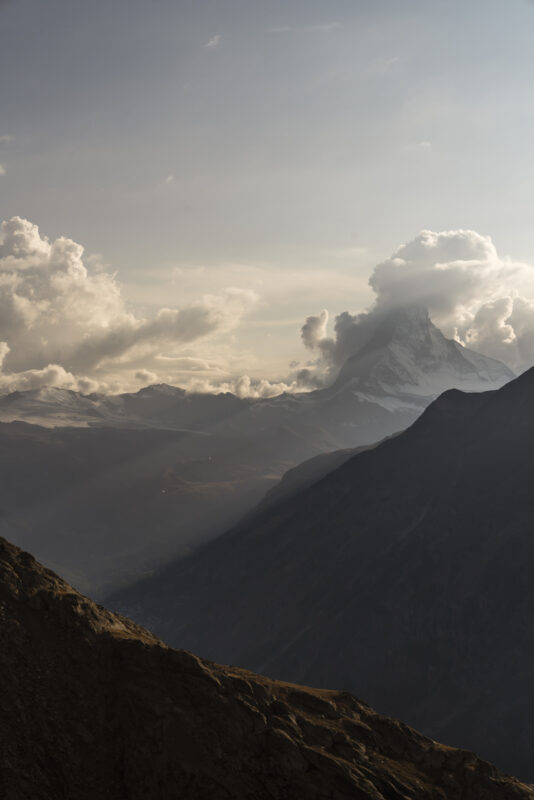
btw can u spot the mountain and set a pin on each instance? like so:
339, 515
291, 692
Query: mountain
408, 357
94, 706
406, 362
105, 489
405, 576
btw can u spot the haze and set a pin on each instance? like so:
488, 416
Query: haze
280, 149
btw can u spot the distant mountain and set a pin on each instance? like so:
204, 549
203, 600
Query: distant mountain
409, 358
93, 706
405, 575
110, 487
406, 363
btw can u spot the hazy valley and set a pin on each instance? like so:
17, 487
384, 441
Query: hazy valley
107, 488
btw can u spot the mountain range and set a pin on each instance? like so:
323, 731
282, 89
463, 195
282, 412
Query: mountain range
93, 706
105, 489
403, 575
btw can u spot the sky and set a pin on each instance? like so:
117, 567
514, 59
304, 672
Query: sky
234, 167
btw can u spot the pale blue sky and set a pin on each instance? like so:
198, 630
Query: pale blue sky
280, 145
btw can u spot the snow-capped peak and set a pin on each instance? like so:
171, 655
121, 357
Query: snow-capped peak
408, 355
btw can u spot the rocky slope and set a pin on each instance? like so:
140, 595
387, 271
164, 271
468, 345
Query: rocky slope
405, 575
93, 706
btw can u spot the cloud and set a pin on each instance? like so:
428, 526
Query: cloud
6, 139
62, 323
390, 64
146, 377
473, 294
313, 332
52, 375
244, 386
2, 169
213, 42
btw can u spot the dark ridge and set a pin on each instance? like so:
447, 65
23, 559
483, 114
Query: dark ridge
404, 576
93, 706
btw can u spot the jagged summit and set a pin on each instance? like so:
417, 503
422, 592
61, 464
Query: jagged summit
94, 706
408, 355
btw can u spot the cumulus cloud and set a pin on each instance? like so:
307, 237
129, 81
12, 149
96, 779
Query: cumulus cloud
473, 294
244, 386
313, 332
63, 324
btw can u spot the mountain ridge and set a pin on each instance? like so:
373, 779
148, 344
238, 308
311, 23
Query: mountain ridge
402, 576
94, 706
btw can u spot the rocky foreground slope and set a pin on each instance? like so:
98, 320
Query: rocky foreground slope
93, 706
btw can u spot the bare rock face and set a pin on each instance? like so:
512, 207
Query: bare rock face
93, 706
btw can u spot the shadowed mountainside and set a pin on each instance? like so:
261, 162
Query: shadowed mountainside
405, 576
94, 706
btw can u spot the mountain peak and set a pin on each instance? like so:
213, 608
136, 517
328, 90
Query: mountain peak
408, 355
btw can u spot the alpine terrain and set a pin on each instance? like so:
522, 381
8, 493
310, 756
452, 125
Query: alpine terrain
404, 575
104, 489
94, 706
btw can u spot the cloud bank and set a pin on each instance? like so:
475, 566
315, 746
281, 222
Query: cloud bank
63, 324
474, 295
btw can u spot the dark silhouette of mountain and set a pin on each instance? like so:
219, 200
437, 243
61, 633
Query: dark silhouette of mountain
93, 706
138, 479
405, 576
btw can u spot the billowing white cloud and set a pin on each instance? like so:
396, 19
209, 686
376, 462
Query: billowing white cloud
64, 324
64, 321
483, 300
